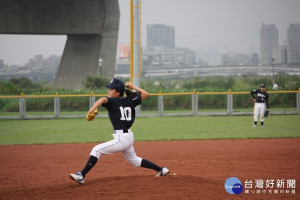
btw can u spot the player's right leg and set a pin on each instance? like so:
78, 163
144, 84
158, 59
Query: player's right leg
255, 114
109, 147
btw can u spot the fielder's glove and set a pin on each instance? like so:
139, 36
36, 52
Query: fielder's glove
91, 116
266, 113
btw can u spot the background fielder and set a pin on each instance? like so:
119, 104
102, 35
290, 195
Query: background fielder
121, 113
261, 101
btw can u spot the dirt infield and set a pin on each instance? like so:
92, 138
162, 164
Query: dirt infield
201, 167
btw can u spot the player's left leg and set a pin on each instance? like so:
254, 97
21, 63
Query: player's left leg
136, 161
131, 157
110, 147
261, 113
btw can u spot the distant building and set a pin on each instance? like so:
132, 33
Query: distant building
39, 61
37, 68
189, 57
225, 60
289, 52
254, 59
159, 35
171, 58
293, 37
280, 54
268, 40
2, 63
52, 62
161, 51
123, 67
237, 60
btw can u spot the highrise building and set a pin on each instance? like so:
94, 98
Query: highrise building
39, 61
280, 53
160, 36
293, 37
2, 63
268, 40
254, 59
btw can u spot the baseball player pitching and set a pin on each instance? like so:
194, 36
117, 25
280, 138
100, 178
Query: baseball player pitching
121, 113
260, 98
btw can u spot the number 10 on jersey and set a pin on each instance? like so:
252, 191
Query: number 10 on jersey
125, 113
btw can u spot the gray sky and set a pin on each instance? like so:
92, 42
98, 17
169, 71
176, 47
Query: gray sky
211, 27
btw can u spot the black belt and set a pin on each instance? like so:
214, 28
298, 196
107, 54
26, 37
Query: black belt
124, 130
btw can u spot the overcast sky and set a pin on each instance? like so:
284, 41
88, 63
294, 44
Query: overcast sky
210, 27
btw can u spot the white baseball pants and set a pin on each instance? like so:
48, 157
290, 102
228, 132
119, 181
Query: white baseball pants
259, 109
122, 142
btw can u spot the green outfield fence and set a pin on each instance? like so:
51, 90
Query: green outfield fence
53, 106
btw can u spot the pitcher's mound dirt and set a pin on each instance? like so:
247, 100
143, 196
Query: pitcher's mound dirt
201, 168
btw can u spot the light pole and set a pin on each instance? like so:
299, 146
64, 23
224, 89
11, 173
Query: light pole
100, 65
275, 86
273, 70
135, 6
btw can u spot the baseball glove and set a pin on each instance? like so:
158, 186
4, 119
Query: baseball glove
266, 113
91, 116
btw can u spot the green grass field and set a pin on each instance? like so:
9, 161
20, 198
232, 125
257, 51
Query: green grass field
146, 129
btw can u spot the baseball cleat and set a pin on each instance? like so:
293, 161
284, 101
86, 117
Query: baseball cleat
254, 126
77, 177
164, 171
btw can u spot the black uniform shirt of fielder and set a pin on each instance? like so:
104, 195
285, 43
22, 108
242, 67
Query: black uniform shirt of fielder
121, 111
261, 97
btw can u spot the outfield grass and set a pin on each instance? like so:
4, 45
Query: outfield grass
145, 129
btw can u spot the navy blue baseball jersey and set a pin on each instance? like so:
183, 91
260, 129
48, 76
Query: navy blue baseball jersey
121, 111
261, 97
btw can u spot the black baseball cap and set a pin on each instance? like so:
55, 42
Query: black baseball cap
263, 85
117, 84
